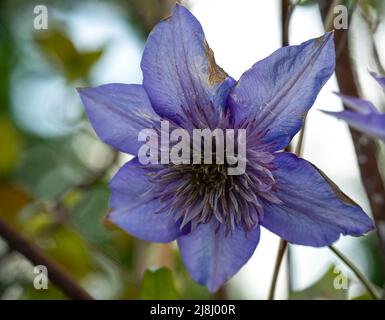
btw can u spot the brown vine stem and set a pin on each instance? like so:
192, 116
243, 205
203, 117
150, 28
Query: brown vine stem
364, 147
34, 254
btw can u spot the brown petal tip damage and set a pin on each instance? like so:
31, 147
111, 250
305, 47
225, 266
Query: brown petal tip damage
216, 73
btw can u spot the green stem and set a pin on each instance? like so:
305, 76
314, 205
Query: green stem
357, 272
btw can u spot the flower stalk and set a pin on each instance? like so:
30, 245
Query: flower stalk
277, 267
368, 285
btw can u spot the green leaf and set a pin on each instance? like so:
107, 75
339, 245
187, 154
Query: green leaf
8, 59
10, 142
62, 53
56, 168
190, 290
306, 2
323, 288
52, 293
13, 200
89, 212
69, 249
365, 296
158, 284
371, 12
373, 256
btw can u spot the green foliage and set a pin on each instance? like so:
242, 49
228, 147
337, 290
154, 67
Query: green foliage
365, 296
69, 249
7, 62
371, 11
306, 2
145, 14
56, 45
322, 289
52, 293
158, 284
10, 140
13, 199
372, 251
189, 288
88, 214
56, 168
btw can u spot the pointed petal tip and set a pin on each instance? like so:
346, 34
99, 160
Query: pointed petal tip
111, 218
374, 74
330, 113
290, 77
340, 95
176, 47
113, 111
81, 90
327, 36
327, 39
326, 111
213, 288
178, 7
379, 78
212, 258
313, 224
367, 225
362, 229
339, 115
85, 91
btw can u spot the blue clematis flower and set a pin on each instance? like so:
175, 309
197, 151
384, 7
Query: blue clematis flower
363, 115
216, 218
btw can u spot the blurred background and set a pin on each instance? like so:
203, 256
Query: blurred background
54, 172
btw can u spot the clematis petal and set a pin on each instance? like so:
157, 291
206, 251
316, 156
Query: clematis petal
211, 257
179, 70
118, 112
357, 104
278, 91
134, 209
373, 124
314, 211
380, 79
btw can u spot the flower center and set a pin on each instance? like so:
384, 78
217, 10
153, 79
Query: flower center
197, 193
209, 177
